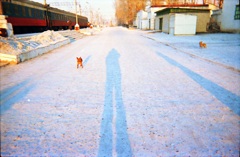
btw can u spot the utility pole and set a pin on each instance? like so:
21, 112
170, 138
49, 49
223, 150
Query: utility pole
77, 25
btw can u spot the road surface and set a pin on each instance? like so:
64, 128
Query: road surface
133, 97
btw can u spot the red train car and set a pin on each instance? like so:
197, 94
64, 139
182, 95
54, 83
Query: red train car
60, 19
28, 16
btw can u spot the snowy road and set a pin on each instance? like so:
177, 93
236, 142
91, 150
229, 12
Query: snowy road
134, 97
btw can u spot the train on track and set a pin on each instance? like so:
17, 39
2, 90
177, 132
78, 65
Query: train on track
28, 17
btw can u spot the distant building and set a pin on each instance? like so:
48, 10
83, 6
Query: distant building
228, 18
151, 16
169, 20
141, 20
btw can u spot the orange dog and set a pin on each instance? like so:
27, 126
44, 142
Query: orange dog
79, 62
202, 45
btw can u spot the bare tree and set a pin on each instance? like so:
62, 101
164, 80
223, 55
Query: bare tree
121, 11
126, 10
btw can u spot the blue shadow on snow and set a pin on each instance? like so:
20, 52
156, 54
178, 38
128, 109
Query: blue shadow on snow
113, 90
226, 97
14, 94
86, 60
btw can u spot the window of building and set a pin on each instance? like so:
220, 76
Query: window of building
237, 13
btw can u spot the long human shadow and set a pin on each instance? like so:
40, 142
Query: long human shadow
14, 94
113, 90
226, 97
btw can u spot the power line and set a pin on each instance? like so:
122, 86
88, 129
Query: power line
62, 3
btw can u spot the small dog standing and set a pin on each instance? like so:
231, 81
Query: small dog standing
202, 45
79, 62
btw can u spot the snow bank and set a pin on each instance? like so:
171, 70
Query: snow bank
90, 31
48, 37
18, 50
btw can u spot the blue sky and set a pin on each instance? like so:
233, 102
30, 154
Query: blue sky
105, 7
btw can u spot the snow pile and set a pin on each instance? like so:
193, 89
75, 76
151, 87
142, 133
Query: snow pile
47, 37
14, 46
10, 46
90, 31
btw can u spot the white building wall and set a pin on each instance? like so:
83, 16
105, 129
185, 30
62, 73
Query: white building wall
151, 16
141, 19
172, 22
227, 22
156, 23
144, 24
165, 23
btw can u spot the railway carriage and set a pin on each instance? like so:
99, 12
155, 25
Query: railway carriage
60, 19
28, 16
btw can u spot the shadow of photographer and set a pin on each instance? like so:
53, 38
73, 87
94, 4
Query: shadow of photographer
113, 91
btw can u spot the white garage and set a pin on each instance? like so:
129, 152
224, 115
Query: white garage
182, 21
183, 24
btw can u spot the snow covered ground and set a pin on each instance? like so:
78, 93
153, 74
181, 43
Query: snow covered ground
222, 48
134, 97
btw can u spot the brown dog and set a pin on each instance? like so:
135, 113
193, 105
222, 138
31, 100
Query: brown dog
202, 45
79, 62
